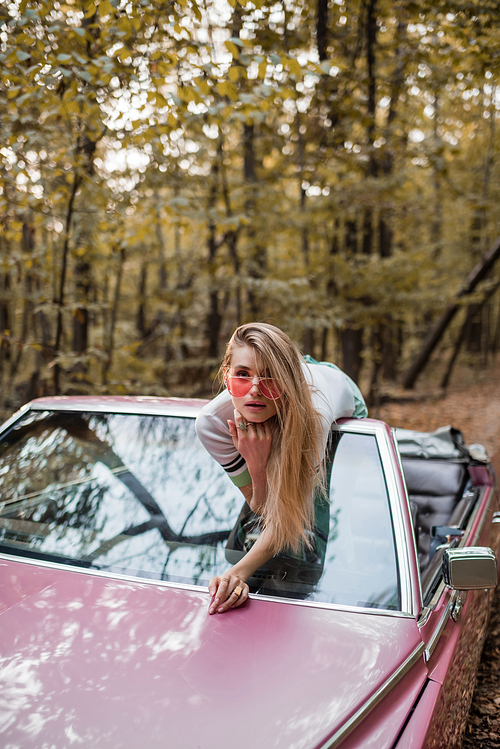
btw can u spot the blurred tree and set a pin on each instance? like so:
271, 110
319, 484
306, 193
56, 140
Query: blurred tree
169, 170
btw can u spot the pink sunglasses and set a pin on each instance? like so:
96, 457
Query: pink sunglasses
240, 386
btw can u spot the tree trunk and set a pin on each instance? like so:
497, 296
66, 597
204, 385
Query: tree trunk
475, 334
324, 344
472, 311
113, 317
160, 240
391, 348
141, 310
105, 324
308, 340
257, 256
373, 399
458, 345
331, 286
479, 272
351, 337
352, 347
214, 318
232, 236
5, 325
81, 314
474, 330
496, 334
437, 220
62, 282
322, 29
27, 316
356, 344
371, 39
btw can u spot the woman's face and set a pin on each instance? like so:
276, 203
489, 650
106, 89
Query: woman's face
253, 406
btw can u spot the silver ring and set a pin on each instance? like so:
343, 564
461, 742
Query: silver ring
242, 425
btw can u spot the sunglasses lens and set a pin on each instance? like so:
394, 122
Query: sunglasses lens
269, 388
238, 386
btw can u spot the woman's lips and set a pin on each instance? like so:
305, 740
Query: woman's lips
255, 406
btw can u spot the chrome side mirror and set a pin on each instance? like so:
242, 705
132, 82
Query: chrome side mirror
471, 568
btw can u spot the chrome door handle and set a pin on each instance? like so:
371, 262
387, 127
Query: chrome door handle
458, 605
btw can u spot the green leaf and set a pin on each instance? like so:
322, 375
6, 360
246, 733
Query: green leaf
63, 58
21, 56
85, 75
22, 99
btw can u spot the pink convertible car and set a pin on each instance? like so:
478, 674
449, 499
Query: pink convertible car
112, 521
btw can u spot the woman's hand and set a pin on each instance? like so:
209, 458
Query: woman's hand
253, 443
228, 591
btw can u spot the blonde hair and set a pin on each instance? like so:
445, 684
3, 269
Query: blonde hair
295, 461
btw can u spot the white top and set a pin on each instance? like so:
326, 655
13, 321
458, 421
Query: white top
332, 397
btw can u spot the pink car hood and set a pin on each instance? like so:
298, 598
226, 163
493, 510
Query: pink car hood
96, 662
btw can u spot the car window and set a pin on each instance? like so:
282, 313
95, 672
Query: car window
361, 568
139, 495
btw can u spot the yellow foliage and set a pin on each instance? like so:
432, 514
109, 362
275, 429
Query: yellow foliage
232, 48
263, 69
227, 88
293, 66
203, 86
90, 9
160, 100
105, 8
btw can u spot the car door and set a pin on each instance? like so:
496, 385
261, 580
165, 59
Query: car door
453, 623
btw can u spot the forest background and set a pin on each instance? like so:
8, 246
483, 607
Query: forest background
170, 169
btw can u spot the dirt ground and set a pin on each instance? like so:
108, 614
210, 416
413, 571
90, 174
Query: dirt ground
472, 404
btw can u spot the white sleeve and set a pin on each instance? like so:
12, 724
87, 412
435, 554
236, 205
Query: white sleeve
213, 432
331, 394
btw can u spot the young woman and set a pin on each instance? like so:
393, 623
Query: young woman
268, 429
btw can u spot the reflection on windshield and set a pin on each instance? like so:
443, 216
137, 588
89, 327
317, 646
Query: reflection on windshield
139, 495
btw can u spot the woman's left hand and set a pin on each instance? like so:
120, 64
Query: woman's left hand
228, 591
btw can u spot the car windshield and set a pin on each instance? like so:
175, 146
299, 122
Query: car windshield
138, 495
